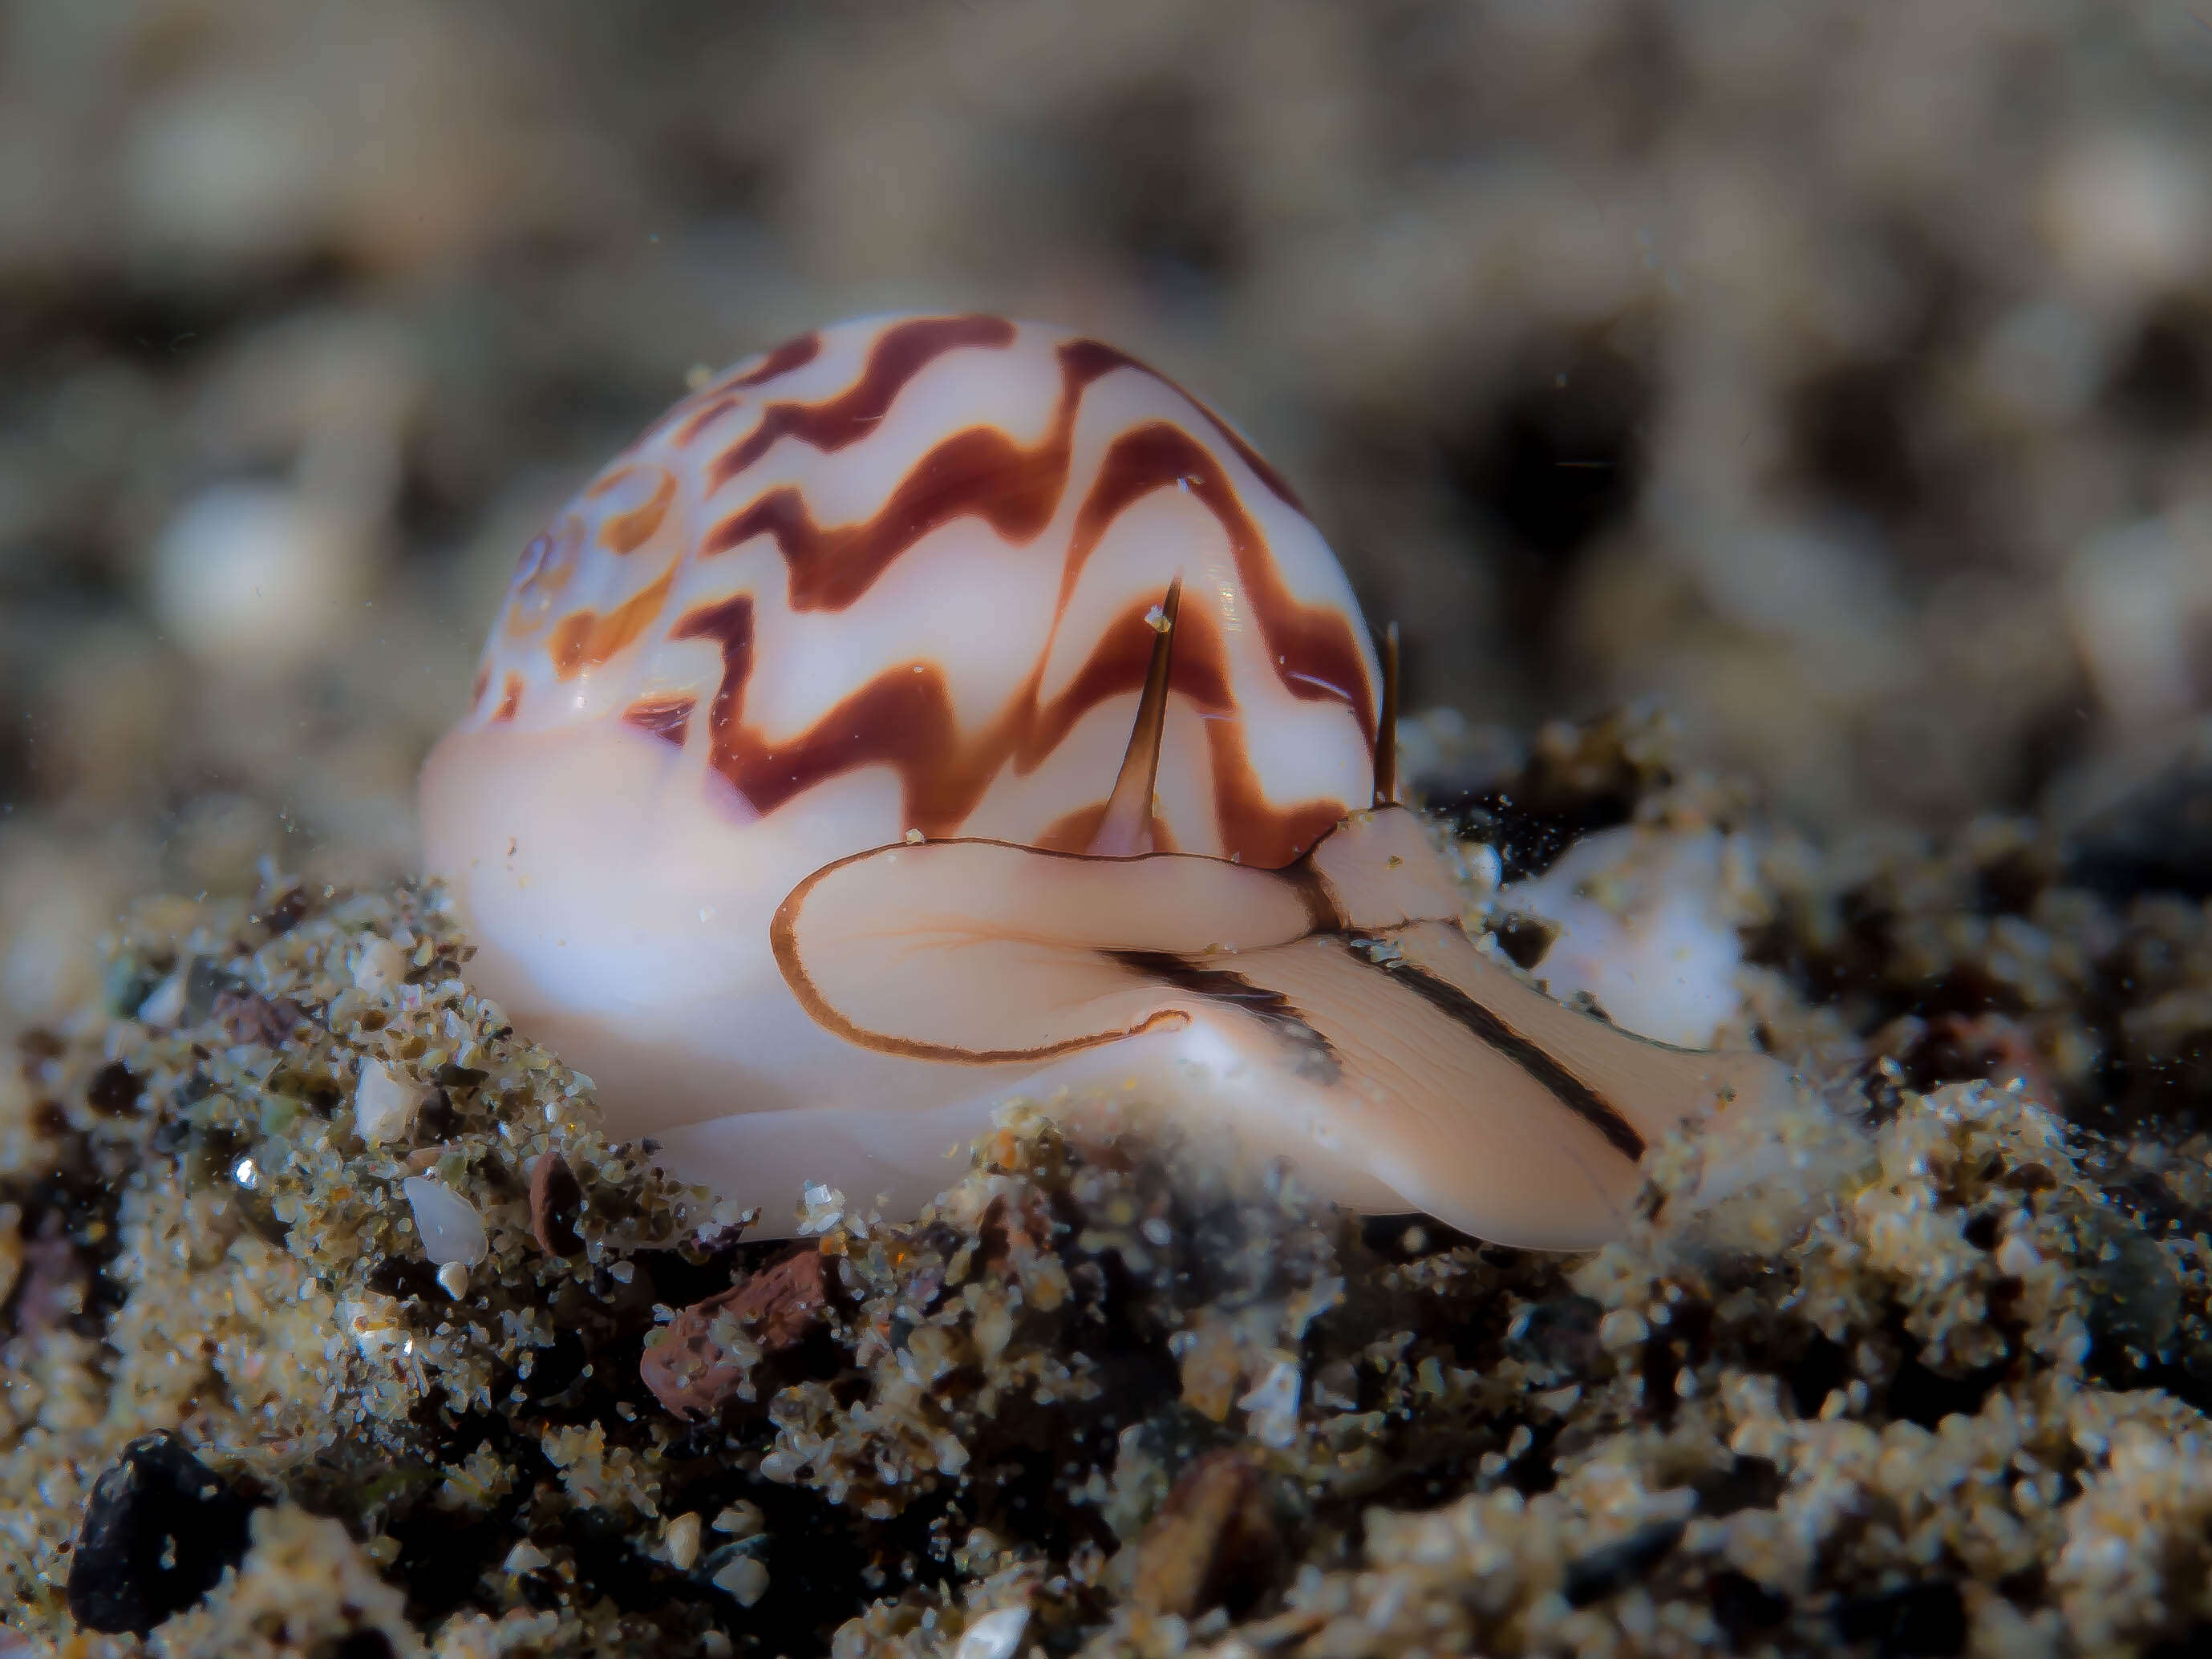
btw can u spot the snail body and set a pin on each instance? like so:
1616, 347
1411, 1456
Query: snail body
891, 577
939, 709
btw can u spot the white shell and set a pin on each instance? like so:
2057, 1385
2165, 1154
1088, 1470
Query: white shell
742, 1578
996, 1635
165, 1007
384, 1103
891, 577
448, 1224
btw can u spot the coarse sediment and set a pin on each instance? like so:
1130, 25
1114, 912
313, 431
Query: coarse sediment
1932, 1384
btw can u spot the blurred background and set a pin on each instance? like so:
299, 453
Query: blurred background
1839, 374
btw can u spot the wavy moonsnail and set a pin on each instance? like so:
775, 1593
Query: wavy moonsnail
936, 710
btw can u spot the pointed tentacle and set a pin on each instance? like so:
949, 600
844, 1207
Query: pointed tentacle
1126, 830
1385, 724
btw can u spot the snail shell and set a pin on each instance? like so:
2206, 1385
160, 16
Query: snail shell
899, 577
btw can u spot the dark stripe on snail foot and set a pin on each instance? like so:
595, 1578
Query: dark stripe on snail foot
1317, 1057
1570, 1090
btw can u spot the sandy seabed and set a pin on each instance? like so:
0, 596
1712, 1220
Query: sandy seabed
1930, 1386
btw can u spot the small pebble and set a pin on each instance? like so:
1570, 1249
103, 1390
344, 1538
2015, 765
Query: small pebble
1273, 1404
378, 964
166, 1005
556, 1197
1612, 1567
744, 1579
1623, 1328
2017, 1257
740, 1519
683, 1541
996, 1635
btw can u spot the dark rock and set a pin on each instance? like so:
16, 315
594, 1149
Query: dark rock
442, 1555
1526, 940
204, 982
1748, 1483
1919, 1621
1816, 1371
286, 913
437, 1120
1920, 1394
113, 1089
2195, 1640
1743, 1608
364, 1645
2157, 840
1563, 1336
1603, 1571
158, 1533
2133, 1291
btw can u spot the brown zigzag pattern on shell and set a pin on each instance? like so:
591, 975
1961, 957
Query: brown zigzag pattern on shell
904, 719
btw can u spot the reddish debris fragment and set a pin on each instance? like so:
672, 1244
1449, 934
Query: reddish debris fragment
249, 1017
692, 1375
55, 1278
1213, 1542
555, 1197
2000, 1049
1018, 1232
1952, 1047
